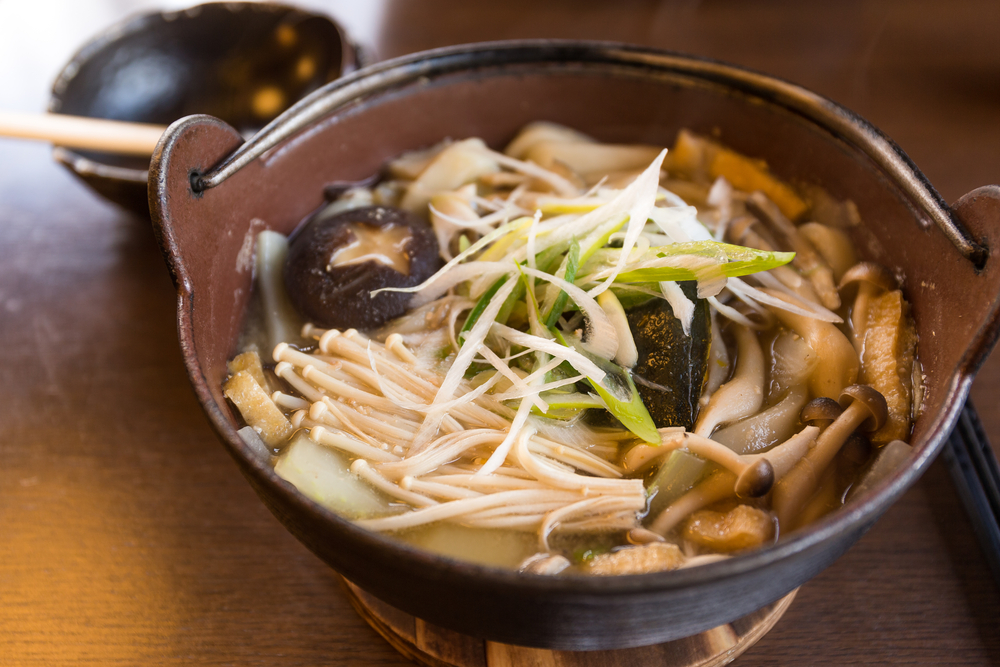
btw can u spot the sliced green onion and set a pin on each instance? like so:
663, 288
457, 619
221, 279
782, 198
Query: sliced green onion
733, 261
619, 394
572, 264
480, 306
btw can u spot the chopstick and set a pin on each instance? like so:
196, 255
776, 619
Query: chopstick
976, 474
98, 134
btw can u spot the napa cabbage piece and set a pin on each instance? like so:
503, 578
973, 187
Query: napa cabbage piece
324, 476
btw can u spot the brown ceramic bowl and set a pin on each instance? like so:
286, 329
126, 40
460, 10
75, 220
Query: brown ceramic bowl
244, 62
210, 193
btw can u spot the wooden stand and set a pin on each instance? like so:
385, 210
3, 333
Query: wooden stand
430, 645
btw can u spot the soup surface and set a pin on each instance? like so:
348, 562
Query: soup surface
576, 357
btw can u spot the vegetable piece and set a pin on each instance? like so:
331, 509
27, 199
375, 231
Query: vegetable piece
623, 400
540, 131
459, 163
324, 476
618, 392
257, 408
678, 475
679, 261
499, 548
335, 263
889, 459
627, 355
754, 475
257, 446
887, 362
670, 366
590, 158
742, 527
572, 264
480, 306
569, 404
281, 321
699, 157
655, 557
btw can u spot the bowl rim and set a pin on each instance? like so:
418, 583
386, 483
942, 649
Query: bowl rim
821, 112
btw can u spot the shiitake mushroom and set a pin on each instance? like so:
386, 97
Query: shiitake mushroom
336, 261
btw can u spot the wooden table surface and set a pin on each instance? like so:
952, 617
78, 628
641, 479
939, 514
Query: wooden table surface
127, 536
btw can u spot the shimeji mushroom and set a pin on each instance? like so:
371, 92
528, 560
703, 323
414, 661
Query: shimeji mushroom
754, 474
749, 231
838, 364
743, 395
872, 279
863, 407
821, 412
807, 259
724, 483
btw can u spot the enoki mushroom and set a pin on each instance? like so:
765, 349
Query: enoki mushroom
367, 399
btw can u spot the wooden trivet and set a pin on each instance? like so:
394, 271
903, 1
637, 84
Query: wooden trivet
433, 646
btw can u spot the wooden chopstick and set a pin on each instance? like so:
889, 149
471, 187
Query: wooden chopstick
97, 134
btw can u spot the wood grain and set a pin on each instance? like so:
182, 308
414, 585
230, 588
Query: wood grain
433, 646
127, 537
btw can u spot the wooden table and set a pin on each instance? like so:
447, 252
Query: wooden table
127, 536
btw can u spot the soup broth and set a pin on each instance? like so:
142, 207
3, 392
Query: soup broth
599, 359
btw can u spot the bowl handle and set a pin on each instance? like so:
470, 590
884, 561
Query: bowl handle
189, 147
979, 211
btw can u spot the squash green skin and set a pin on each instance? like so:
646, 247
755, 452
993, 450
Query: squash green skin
672, 366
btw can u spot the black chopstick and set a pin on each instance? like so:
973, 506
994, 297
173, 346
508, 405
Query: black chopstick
976, 475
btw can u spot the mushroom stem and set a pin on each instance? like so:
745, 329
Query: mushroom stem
717, 487
807, 259
743, 395
754, 476
774, 463
868, 408
873, 279
838, 364
783, 457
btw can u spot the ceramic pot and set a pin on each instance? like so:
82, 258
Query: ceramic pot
210, 194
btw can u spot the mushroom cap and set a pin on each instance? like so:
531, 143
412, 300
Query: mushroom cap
857, 449
756, 480
872, 400
869, 272
819, 410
